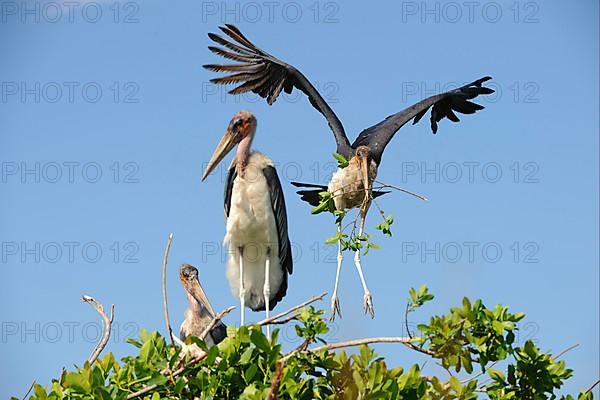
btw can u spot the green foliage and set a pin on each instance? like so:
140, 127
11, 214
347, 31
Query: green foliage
352, 242
244, 365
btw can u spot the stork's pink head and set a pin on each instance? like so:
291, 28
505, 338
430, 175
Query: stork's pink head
242, 127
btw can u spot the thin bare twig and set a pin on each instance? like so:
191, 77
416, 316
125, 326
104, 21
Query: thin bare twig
357, 342
406, 321
593, 386
283, 314
274, 390
385, 185
107, 325
164, 289
29, 390
215, 321
565, 351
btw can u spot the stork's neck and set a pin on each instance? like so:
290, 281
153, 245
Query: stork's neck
195, 306
243, 154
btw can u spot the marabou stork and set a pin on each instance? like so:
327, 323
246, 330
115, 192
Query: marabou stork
267, 76
256, 219
199, 313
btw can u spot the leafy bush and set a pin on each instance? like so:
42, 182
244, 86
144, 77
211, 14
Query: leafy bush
248, 365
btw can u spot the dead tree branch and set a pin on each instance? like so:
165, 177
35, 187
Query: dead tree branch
107, 325
164, 289
273, 320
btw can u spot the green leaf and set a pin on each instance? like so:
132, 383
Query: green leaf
342, 162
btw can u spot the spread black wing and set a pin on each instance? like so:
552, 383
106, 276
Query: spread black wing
310, 192
265, 75
444, 105
284, 247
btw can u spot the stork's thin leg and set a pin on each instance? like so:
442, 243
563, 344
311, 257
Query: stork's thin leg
367, 300
242, 290
267, 289
335, 303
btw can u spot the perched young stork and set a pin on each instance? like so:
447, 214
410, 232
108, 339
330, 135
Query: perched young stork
351, 187
260, 256
199, 313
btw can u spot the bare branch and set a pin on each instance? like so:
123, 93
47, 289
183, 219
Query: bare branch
272, 320
565, 351
164, 288
358, 342
214, 321
29, 390
274, 390
593, 386
107, 325
385, 185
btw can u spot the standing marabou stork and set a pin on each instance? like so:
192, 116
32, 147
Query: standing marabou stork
258, 266
267, 76
199, 313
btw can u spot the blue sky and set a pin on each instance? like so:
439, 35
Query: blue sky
108, 118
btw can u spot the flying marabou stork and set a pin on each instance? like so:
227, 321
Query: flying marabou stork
351, 187
199, 313
256, 219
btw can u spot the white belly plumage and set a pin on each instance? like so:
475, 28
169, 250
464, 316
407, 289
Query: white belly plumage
251, 226
347, 186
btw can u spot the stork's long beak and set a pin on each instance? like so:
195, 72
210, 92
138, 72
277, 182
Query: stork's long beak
195, 289
223, 148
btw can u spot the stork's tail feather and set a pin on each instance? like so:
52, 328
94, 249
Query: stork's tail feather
312, 197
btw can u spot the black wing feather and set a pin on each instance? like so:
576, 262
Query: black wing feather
265, 75
444, 106
231, 175
283, 246
219, 332
311, 191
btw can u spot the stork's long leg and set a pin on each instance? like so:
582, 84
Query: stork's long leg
367, 300
267, 288
242, 290
335, 303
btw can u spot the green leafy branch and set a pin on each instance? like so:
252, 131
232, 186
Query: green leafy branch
250, 365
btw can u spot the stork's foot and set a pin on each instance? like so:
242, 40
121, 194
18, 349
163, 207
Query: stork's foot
368, 304
335, 307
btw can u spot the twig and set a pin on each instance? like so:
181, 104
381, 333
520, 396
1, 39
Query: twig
285, 320
565, 351
164, 289
406, 321
214, 322
593, 386
385, 185
283, 314
107, 325
29, 390
274, 390
357, 342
